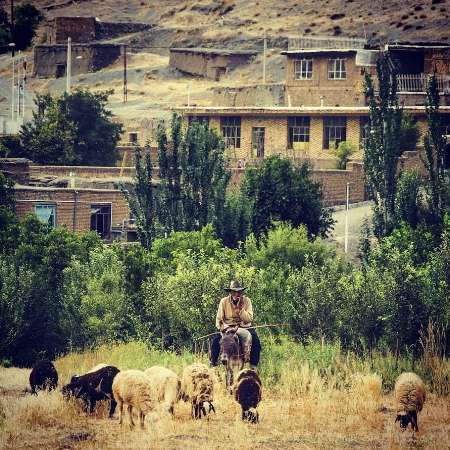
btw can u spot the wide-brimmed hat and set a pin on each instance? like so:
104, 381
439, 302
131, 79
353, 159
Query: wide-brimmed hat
235, 286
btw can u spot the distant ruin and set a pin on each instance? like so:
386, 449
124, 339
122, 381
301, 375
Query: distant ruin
50, 60
208, 62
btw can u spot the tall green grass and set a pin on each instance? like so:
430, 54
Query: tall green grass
286, 366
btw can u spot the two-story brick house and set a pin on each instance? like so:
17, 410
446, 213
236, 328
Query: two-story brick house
324, 101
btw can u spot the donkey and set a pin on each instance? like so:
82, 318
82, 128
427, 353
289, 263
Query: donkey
231, 356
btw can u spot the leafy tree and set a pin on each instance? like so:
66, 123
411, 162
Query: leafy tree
204, 176
279, 191
8, 221
193, 177
408, 201
343, 153
141, 199
169, 205
434, 160
26, 20
384, 146
74, 128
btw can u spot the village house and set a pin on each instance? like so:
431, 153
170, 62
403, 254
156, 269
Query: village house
323, 102
81, 198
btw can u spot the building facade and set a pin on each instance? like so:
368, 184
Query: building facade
325, 102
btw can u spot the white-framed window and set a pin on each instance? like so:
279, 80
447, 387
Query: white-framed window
298, 130
303, 69
231, 131
258, 135
336, 69
101, 217
46, 213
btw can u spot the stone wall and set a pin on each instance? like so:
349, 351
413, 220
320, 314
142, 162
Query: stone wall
81, 171
256, 95
209, 63
79, 29
50, 60
73, 206
109, 30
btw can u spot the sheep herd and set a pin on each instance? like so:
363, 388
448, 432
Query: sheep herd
144, 391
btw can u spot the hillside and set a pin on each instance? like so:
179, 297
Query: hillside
153, 86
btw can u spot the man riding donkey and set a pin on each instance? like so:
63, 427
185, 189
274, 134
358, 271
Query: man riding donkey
235, 315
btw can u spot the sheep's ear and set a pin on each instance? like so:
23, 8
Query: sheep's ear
398, 418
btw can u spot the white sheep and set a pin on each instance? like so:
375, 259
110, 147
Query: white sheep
197, 386
166, 385
410, 396
133, 388
248, 393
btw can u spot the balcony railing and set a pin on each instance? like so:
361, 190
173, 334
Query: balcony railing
408, 82
318, 42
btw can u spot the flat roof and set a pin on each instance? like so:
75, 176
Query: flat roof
213, 51
22, 187
321, 50
286, 110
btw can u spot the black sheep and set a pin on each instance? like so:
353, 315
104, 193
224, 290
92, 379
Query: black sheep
93, 387
43, 376
248, 392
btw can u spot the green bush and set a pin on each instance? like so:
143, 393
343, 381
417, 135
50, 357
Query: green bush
343, 153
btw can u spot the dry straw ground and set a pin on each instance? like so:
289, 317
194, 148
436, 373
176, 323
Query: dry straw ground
300, 410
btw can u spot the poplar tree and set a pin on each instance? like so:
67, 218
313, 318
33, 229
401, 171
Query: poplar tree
141, 199
434, 144
386, 132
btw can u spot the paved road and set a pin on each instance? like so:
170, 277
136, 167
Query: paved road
356, 217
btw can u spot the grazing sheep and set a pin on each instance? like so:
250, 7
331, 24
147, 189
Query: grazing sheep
247, 392
134, 388
43, 376
93, 387
197, 386
166, 384
410, 396
94, 369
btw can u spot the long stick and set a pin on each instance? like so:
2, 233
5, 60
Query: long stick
247, 328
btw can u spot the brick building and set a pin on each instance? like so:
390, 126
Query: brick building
324, 100
80, 209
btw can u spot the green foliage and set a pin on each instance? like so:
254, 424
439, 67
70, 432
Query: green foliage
410, 133
434, 143
384, 145
286, 246
26, 20
343, 153
408, 201
141, 200
279, 191
8, 221
193, 177
72, 129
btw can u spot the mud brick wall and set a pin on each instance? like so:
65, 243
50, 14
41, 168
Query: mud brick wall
347, 92
257, 95
81, 171
18, 169
79, 29
73, 206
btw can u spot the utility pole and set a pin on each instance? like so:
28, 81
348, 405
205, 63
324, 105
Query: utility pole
18, 86
12, 26
24, 79
125, 85
69, 64
12, 87
264, 56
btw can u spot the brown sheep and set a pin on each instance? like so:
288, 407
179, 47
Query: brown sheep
43, 376
409, 392
248, 393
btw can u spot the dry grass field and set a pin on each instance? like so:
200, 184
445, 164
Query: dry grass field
300, 409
